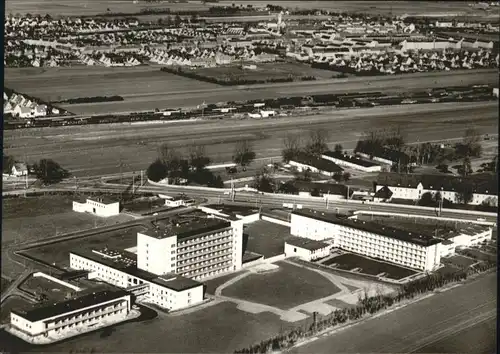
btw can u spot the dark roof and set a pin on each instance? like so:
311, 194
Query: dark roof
193, 228
387, 154
306, 243
127, 263
323, 188
480, 184
383, 193
60, 308
317, 162
350, 158
387, 231
230, 210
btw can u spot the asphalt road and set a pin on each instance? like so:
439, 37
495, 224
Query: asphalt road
460, 320
100, 149
191, 98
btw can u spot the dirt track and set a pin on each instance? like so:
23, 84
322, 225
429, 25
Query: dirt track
96, 150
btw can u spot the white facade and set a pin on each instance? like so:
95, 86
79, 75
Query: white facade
198, 257
67, 324
159, 292
97, 207
340, 162
303, 167
178, 201
19, 170
368, 243
304, 253
416, 193
463, 239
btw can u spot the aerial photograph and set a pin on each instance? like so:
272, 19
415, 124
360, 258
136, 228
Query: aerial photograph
246, 176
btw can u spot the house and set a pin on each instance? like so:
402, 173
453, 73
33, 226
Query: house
413, 186
19, 169
7, 107
39, 111
100, 206
21, 111
266, 114
350, 161
306, 249
386, 156
177, 201
305, 162
384, 194
330, 191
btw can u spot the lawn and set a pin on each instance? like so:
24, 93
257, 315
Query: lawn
285, 288
477, 254
220, 328
213, 284
59, 253
459, 261
349, 261
265, 238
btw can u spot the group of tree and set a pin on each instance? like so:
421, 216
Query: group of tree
315, 144
7, 164
367, 305
45, 170
244, 153
171, 165
94, 99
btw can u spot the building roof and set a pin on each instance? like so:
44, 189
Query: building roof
20, 166
350, 158
308, 244
51, 310
189, 229
481, 184
231, 210
372, 227
103, 199
127, 263
383, 193
386, 154
317, 162
323, 188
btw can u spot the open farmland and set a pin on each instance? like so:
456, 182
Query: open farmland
285, 288
96, 150
266, 71
58, 253
146, 88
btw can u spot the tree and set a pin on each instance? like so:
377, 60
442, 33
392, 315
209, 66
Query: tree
338, 148
291, 147
426, 200
7, 164
243, 153
346, 176
157, 171
49, 171
288, 188
167, 154
465, 169
197, 157
471, 144
317, 143
337, 176
263, 182
315, 192
465, 192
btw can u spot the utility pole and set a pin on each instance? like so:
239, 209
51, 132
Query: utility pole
133, 183
347, 197
327, 199
141, 177
441, 203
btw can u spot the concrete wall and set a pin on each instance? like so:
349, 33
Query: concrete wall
55, 280
275, 221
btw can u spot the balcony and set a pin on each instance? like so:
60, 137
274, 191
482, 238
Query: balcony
215, 260
89, 316
203, 244
202, 251
196, 241
209, 256
193, 272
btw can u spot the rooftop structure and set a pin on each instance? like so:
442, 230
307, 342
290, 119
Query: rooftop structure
188, 229
306, 243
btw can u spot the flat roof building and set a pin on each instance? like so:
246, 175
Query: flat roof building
306, 162
305, 248
100, 206
351, 161
411, 249
50, 323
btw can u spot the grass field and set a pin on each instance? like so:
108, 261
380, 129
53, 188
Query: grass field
221, 328
95, 150
285, 288
351, 261
265, 71
459, 261
59, 253
146, 88
266, 238
36, 218
213, 284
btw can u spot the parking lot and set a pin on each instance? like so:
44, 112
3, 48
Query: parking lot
349, 261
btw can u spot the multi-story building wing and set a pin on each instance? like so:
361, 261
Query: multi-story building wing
199, 249
53, 322
409, 249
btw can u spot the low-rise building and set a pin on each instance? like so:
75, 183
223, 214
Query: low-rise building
19, 169
306, 249
351, 161
170, 291
53, 322
177, 201
330, 191
100, 206
413, 186
305, 162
